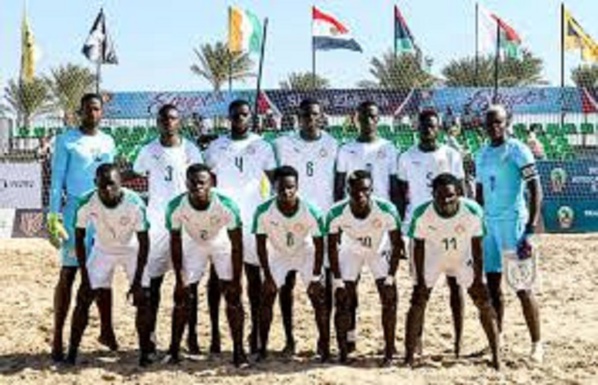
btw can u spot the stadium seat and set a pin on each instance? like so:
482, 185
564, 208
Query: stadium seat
39, 132
587, 128
553, 129
569, 128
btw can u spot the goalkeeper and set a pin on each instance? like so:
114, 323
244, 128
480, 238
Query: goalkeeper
78, 153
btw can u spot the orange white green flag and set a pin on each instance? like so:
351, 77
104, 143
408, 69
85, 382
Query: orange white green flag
245, 32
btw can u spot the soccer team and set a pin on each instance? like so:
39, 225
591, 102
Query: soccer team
331, 211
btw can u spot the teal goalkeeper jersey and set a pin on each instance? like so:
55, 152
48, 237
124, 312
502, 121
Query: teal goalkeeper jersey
76, 158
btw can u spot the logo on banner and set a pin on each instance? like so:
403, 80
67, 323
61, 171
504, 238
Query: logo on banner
566, 216
30, 223
558, 179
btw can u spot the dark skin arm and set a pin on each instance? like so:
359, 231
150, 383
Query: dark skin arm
479, 194
236, 240
402, 200
398, 250
262, 253
477, 252
176, 252
419, 252
395, 193
333, 255
81, 253
319, 255
143, 239
339, 185
535, 202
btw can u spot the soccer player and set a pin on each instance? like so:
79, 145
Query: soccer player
240, 162
78, 153
205, 225
164, 161
448, 234
418, 166
290, 237
374, 154
505, 170
363, 222
118, 215
312, 153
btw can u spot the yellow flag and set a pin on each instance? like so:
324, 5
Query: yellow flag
27, 51
577, 38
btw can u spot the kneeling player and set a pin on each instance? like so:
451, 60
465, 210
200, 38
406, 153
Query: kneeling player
448, 235
116, 214
364, 222
289, 234
206, 225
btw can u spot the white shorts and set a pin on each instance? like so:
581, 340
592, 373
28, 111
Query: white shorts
196, 257
159, 260
302, 261
409, 247
462, 271
101, 265
351, 263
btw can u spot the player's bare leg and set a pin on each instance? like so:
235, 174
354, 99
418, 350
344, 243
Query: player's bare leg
85, 297
269, 293
317, 295
236, 321
389, 299
496, 296
180, 316
480, 298
352, 334
254, 292
107, 337
141, 300
415, 320
457, 309
155, 299
532, 319
214, 295
192, 344
62, 301
345, 303
286, 310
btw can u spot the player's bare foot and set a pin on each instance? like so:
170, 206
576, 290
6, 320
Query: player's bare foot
109, 341
387, 362
193, 346
240, 361
289, 349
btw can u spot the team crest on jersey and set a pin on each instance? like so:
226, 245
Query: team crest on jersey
459, 229
124, 221
214, 220
381, 154
323, 153
298, 227
250, 150
377, 223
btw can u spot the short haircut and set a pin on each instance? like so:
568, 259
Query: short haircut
91, 96
105, 169
285, 171
358, 175
363, 106
308, 102
236, 104
427, 114
197, 168
166, 108
445, 179
497, 109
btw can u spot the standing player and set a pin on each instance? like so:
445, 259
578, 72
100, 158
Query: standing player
240, 162
448, 233
164, 161
206, 226
374, 154
312, 153
505, 169
290, 237
418, 166
77, 155
117, 214
363, 221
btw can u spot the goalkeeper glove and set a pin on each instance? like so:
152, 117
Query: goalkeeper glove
58, 233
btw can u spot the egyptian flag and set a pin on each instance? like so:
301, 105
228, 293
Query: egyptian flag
328, 33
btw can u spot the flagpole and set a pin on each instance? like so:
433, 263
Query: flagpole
259, 75
394, 20
313, 56
477, 43
496, 63
230, 54
562, 62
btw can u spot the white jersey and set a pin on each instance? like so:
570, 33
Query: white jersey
418, 168
288, 235
364, 236
314, 161
448, 239
379, 158
166, 169
115, 228
239, 166
204, 226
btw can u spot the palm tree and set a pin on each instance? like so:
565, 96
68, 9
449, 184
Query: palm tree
304, 81
585, 76
216, 64
68, 83
512, 72
404, 71
28, 99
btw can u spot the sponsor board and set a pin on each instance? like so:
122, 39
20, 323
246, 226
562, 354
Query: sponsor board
21, 185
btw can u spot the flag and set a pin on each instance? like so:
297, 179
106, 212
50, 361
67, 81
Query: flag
404, 42
577, 38
244, 31
28, 51
328, 33
98, 47
510, 41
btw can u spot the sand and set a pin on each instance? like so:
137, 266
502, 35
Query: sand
569, 310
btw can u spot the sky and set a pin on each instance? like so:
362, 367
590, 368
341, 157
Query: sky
155, 39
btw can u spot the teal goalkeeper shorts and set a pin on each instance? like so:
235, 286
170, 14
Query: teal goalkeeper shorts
501, 235
67, 251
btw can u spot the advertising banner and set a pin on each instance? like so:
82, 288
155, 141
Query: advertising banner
21, 185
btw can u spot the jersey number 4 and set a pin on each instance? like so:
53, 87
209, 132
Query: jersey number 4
239, 163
